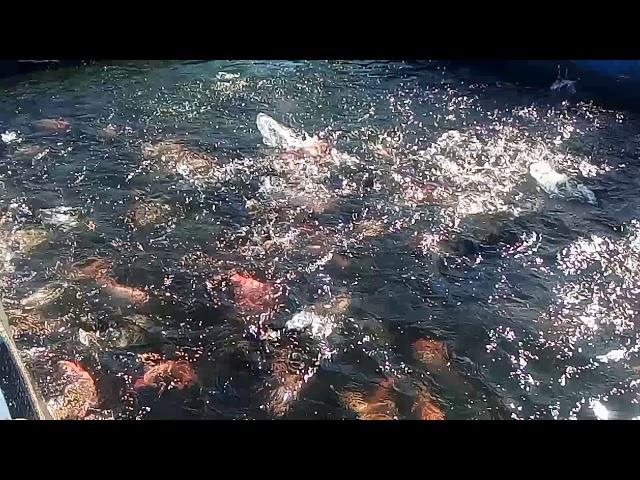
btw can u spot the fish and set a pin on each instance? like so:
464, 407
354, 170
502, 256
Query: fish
320, 320
559, 185
123, 336
52, 125
173, 157
29, 239
294, 363
195, 166
378, 405
92, 268
35, 152
169, 373
432, 353
133, 295
226, 76
148, 212
319, 326
426, 408
108, 132
79, 393
563, 83
435, 356
44, 295
277, 135
97, 269
32, 322
253, 296
161, 150
290, 371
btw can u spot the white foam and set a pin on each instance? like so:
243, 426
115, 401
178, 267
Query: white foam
10, 137
558, 184
63, 217
320, 326
227, 76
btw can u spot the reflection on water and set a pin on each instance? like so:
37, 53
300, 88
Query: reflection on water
386, 241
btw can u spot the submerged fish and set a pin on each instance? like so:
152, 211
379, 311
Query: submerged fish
32, 322
133, 295
29, 239
108, 132
253, 296
173, 157
169, 373
563, 83
165, 150
52, 125
435, 356
378, 405
97, 269
431, 353
35, 152
44, 295
425, 407
290, 371
133, 332
148, 212
79, 393
295, 361
92, 268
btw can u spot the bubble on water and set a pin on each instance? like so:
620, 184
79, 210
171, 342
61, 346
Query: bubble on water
11, 137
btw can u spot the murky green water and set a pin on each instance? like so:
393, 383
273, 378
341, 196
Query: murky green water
424, 218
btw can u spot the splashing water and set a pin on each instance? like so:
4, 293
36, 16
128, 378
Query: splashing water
438, 203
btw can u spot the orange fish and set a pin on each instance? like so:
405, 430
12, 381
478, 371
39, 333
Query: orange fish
435, 356
377, 406
52, 125
79, 393
93, 268
432, 353
252, 295
179, 374
289, 375
135, 296
98, 269
425, 407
